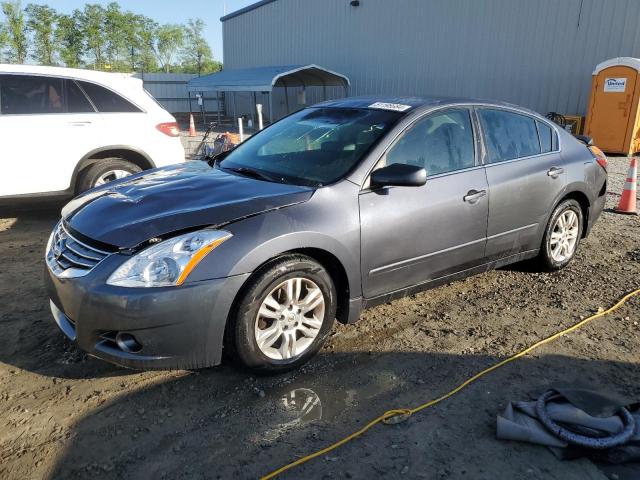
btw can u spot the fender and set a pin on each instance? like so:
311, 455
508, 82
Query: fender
298, 241
143, 160
260, 238
571, 188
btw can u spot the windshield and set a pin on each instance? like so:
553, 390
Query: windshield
315, 146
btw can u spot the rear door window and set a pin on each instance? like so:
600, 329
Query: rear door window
508, 135
77, 101
107, 101
31, 94
441, 142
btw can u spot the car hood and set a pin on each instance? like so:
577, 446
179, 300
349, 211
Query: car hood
130, 211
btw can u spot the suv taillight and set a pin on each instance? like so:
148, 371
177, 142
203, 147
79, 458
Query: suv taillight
169, 128
601, 158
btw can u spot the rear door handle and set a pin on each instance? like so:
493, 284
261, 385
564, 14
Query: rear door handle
473, 196
79, 124
554, 172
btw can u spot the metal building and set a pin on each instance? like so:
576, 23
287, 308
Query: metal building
536, 53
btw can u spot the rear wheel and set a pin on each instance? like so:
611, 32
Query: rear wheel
284, 316
105, 171
562, 235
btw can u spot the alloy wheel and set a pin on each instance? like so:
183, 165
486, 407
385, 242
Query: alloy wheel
289, 318
564, 236
110, 176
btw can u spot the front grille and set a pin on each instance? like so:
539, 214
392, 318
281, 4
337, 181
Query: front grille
69, 257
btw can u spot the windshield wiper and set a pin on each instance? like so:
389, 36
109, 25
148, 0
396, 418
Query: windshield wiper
253, 173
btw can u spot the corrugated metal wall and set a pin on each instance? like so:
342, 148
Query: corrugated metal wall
536, 53
170, 90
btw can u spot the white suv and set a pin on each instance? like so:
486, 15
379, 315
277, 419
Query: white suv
63, 131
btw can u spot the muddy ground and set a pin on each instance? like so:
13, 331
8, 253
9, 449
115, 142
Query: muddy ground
66, 415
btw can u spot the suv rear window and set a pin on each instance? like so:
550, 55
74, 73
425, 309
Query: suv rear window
107, 101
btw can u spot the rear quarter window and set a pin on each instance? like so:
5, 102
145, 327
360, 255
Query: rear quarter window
107, 101
546, 137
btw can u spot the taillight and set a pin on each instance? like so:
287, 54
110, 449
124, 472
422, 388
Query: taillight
170, 128
601, 158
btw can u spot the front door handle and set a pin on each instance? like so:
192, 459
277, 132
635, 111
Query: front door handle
473, 196
554, 172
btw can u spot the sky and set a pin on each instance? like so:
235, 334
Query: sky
168, 11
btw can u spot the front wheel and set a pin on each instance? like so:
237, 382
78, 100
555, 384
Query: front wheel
105, 171
284, 316
562, 236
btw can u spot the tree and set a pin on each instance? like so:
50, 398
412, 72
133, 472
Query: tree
92, 23
139, 39
69, 38
16, 31
4, 39
170, 39
115, 29
41, 21
196, 53
147, 33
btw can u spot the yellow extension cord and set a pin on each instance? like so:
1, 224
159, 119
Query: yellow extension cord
404, 413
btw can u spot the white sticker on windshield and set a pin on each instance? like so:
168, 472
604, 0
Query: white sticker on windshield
396, 107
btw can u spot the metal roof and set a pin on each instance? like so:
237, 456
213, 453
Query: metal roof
246, 9
263, 79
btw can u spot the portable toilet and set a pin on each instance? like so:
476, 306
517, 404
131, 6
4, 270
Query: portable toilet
613, 119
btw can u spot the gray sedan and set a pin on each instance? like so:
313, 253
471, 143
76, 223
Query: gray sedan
332, 209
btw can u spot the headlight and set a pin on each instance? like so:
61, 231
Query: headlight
167, 263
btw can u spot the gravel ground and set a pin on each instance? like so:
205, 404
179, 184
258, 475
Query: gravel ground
66, 415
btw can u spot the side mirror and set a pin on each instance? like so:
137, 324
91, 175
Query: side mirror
399, 175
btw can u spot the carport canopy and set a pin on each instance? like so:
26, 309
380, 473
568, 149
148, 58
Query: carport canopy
264, 79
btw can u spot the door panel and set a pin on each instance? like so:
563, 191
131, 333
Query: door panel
523, 182
43, 140
414, 234
522, 195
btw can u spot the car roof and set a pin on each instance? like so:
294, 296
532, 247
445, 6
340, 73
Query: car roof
91, 75
412, 103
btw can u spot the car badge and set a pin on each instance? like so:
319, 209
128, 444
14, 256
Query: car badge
58, 247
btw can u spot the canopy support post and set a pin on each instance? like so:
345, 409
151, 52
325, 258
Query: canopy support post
190, 109
253, 112
286, 98
202, 111
218, 105
270, 94
235, 106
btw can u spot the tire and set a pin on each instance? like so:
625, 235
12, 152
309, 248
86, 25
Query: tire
549, 258
246, 321
91, 176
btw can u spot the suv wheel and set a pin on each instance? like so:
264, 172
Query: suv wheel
562, 236
284, 316
105, 171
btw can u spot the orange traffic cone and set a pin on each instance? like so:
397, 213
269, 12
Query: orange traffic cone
627, 202
192, 126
